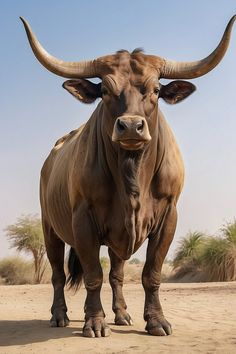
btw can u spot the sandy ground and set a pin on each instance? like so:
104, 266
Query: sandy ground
203, 318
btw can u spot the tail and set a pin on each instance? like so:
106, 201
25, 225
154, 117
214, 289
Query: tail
75, 275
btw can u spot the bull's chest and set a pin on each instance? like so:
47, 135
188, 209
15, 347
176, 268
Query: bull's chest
124, 228
125, 235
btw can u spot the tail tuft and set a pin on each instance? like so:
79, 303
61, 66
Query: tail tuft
75, 275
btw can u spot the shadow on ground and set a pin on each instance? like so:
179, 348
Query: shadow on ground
33, 331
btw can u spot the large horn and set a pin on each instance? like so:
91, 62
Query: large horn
191, 70
59, 67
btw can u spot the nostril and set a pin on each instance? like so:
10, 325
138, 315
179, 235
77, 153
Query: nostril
140, 126
121, 125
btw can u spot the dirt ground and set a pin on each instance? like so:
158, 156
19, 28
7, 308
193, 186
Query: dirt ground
203, 318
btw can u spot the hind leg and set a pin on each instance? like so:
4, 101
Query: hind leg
116, 277
55, 252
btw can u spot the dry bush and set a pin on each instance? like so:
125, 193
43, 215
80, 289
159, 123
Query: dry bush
187, 260
16, 271
219, 260
203, 258
2, 281
190, 248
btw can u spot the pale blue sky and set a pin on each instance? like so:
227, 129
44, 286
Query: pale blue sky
36, 111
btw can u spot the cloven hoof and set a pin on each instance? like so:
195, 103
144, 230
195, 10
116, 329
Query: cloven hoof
96, 327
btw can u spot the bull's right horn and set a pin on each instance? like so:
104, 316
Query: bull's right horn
83, 69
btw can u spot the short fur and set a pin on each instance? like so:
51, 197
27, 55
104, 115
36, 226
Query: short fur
114, 181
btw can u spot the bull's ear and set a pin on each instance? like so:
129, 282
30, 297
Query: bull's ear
84, 90
176, 91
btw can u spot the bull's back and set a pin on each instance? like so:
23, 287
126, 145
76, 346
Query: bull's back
54, 185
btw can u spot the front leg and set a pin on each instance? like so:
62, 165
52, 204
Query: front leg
116, 277
87, 248
158, 246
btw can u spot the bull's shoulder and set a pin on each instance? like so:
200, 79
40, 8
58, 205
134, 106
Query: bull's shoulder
169, 177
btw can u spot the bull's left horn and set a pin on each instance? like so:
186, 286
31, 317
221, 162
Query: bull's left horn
190, 70
59, 67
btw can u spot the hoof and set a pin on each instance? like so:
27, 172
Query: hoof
158, 328
59, 320
96, 327
123, 319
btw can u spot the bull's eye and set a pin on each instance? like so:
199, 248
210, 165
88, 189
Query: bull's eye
156, 90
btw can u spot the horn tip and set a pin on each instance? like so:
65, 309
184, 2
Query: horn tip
24, 21
233, 18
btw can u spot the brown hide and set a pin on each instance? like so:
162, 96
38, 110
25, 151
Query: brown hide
114, 181
126, 192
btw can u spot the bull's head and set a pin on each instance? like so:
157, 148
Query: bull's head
130, 85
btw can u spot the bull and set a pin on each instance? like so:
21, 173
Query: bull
116, 180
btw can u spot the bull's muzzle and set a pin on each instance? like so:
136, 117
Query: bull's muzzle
131, 132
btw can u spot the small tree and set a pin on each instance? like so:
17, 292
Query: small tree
27, 235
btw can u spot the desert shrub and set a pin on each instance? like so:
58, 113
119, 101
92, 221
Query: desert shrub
189, 248
187, 260
219, 256
204, 258
229, 232
16, 271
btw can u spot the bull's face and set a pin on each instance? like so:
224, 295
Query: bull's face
130, 96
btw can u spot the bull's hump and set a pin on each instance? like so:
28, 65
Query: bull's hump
68, 137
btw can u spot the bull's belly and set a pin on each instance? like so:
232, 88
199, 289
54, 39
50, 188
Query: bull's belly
59, 216
61, 225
